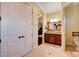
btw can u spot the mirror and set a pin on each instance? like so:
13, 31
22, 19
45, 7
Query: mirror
54, 24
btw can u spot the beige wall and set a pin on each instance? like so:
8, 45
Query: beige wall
72, 22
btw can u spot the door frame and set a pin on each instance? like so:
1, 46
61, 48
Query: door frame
63, 21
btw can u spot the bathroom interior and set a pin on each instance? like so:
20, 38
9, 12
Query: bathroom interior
54, 27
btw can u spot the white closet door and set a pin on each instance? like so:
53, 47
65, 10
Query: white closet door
0, 29
26, 29
16, 21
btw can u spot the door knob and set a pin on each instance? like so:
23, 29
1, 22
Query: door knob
23, 36
0, 40
19, 37
0, 18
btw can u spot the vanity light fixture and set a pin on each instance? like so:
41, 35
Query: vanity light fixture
40, 15
54, 20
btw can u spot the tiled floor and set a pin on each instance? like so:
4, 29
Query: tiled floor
49, 50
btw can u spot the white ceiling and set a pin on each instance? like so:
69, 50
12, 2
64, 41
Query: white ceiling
49, 7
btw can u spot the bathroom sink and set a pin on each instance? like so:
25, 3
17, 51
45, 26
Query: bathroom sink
53, 32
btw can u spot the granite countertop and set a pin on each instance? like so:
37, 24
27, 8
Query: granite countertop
53, 32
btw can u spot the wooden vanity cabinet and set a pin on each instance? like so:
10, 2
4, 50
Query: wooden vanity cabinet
53, 38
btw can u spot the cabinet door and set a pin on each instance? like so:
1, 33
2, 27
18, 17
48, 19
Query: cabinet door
46, 38
58, 39
51, 38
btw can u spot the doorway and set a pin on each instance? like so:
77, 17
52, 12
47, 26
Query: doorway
40, 27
